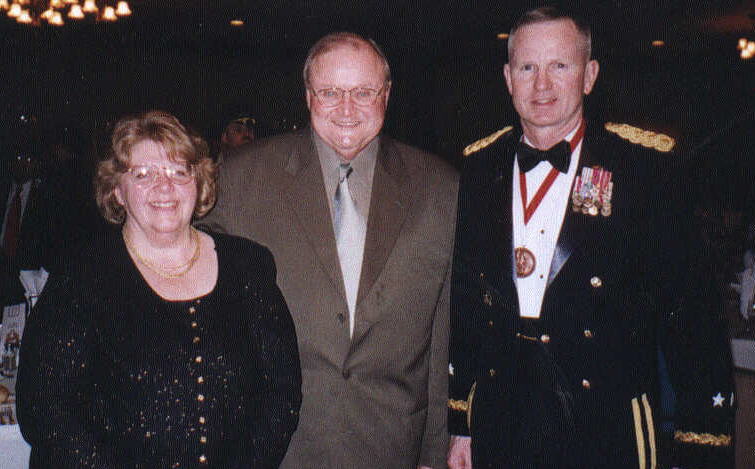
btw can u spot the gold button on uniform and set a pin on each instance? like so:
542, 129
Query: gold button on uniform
203, 459
198, 359
202, 420
588, 334
487, 299
192, 310
193, 324
203, 440
200, 380
492, 372
490, 323
545, 338
196, 340
586, 384
596, 282
200, 397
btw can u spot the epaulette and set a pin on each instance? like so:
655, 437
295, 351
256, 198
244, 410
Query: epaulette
484, 142
646, 138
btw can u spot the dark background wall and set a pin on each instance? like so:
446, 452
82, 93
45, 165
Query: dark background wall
184, 56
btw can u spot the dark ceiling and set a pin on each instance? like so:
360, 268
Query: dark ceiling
297, 22
184, 56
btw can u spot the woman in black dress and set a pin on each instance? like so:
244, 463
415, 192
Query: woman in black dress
160, 346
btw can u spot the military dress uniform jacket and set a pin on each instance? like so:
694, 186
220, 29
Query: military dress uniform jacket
577, 388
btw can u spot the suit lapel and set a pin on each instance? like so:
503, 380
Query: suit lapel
502, 230
492, 250
307, 199
5, 185
577, 228
389, 205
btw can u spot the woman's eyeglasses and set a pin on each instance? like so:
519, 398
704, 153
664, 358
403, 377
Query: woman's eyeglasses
146, 175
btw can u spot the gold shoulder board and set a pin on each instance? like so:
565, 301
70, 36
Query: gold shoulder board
646, 138
484, 142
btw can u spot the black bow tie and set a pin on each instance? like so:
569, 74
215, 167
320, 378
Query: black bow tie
558, 156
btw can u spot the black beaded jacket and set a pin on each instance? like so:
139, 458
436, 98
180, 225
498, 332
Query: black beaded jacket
578, 387
114, 376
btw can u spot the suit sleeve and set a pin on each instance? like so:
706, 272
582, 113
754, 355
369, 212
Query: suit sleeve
694, 340
462, 350
273, 339
218, 219
696, 347
53, 387
435, 439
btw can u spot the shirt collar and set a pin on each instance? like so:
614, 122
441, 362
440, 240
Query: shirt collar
363, 163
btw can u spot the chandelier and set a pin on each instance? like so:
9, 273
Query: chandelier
55, 12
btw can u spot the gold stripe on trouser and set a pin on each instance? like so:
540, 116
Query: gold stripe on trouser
651, 431
639, 432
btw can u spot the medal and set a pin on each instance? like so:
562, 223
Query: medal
525, 262
592, 192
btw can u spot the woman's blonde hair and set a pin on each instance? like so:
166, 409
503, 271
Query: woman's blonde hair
179, 142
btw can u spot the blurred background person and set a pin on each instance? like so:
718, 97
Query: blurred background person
46, 204
159, 345
238, 132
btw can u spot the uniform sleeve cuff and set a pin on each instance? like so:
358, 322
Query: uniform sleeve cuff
704, 439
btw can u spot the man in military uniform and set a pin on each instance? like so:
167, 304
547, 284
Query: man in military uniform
568, 276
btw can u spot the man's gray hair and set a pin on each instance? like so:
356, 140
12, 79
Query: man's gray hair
340, 39
552, 13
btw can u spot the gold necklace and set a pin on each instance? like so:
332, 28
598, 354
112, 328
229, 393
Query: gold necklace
174, 272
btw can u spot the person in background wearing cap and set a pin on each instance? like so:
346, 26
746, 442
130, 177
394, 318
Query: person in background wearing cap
238, 132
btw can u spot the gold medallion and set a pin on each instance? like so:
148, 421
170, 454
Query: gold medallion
525, 262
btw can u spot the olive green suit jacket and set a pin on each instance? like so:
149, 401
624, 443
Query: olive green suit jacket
377, 400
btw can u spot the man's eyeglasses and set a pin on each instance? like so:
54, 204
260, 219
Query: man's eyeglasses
146, 175
330, 97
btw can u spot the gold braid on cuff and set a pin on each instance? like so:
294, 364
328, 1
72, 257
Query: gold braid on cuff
464, 406
705, 439
459, 406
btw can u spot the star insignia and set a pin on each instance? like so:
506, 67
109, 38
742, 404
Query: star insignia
718, 400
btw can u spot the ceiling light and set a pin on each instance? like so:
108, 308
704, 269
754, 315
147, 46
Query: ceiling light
37, 12
746, 48
122, 9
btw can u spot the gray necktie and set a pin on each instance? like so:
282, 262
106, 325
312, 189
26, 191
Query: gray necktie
350, 230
